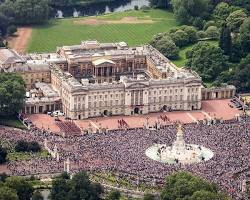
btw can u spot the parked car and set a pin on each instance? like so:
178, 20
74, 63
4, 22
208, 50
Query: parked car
58, 113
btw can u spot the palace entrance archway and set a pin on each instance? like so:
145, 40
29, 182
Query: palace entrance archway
137, 110
105, 113
165, 108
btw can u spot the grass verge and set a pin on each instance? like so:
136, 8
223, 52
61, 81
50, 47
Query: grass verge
20, 156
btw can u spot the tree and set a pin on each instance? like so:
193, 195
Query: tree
187, 11
23, 188
191, 33
221, 11
1, 42
244, 36
149, 197
201, 34
183, 185
7, 193
81, 187
11, 29
60, 189
3, 155
242, 3
4, 23
204, 195
21, 146
241, 77
12, 93
114, 195
24, 146
225, 42
37, 196
160, 3
64, 175
209, 23
207, 60
212, 32
167, 47
34, 146
237, 51
180, 38
3, 177
136, 7
31, 11
7, 8
235, 19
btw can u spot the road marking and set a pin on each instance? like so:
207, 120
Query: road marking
189, 114
207, 115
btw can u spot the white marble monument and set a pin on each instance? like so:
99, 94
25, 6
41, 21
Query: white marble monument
179, 151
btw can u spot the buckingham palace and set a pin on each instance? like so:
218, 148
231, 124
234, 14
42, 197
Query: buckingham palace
102, 79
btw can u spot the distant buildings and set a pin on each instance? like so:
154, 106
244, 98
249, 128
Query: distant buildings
96, 79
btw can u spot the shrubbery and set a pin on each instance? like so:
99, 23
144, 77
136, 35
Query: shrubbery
169, 43
24, 146
3, 155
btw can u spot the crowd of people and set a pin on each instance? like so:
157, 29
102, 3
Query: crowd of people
123, 152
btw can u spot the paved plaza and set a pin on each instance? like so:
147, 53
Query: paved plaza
210, 109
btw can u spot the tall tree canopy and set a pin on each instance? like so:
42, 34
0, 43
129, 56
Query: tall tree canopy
207, 60
245, 35
165, 45
241, 76
12, 93
23, 188
225, 42
31, 11
160, 3
187, 11
7, 193
221, 11
183, 185
79, 187
235, 19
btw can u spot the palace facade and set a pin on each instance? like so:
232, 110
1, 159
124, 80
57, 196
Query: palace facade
101, 79
113, 79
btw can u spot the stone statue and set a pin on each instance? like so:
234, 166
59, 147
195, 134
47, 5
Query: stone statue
45, 143
57, 157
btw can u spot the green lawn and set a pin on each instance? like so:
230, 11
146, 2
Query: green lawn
12, 122
19, 156
64, 32
182, 54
